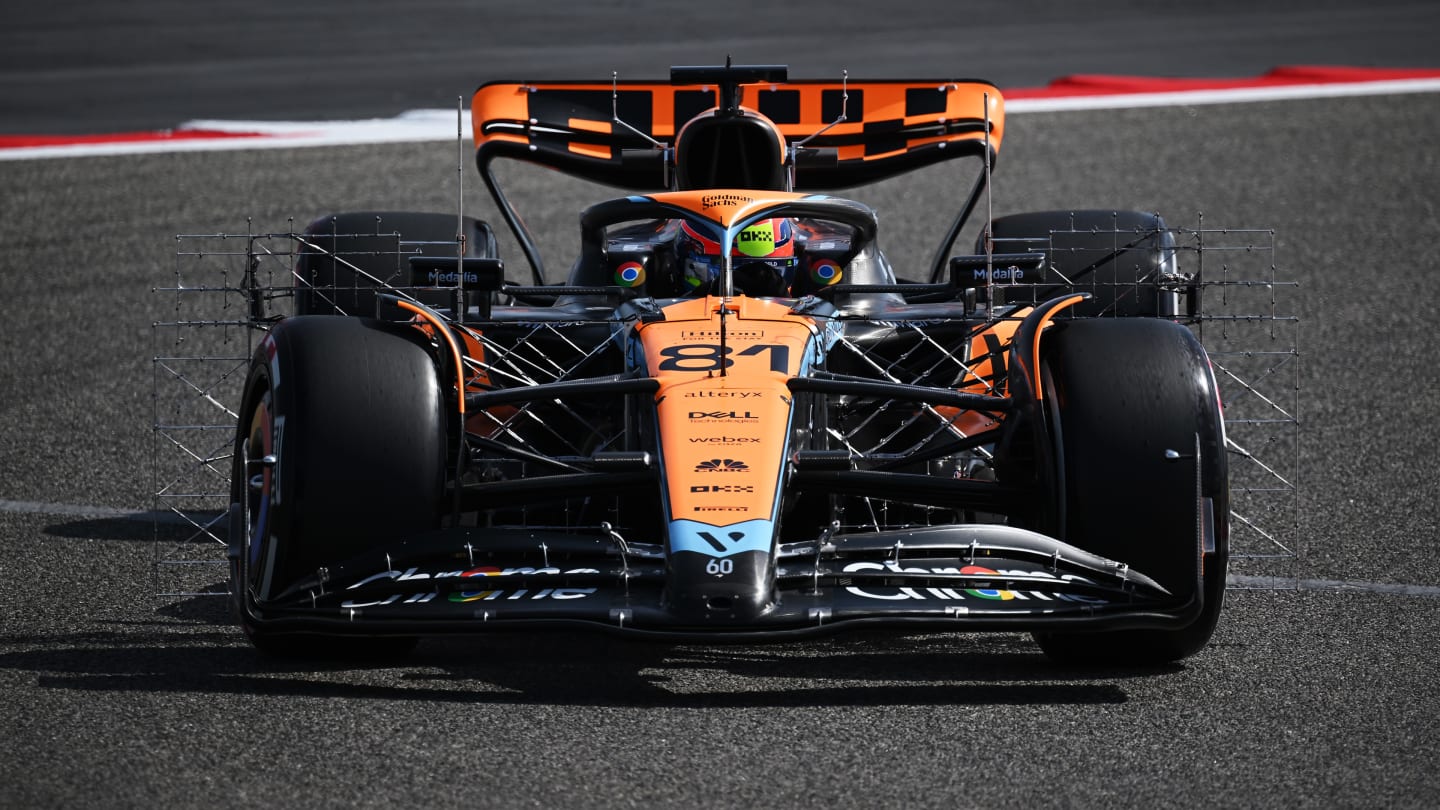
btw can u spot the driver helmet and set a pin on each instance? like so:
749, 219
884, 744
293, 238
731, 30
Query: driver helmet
763, 256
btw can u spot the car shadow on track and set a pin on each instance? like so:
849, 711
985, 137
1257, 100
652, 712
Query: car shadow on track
139, 526
192, 650
201, 532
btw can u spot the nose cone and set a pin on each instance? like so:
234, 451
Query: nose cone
739, 591
721, 574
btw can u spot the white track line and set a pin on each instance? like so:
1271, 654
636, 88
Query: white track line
1182, 98
1234, 580
441, 125
1287, 583
86, 512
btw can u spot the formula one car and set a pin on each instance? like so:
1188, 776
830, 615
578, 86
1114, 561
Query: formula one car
733, 419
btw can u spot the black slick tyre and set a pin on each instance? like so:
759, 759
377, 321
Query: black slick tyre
340, 449
347, 256
1142, 476
1119, 257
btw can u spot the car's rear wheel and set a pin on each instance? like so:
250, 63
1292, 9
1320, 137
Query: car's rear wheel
340, 449
1126, 260
347, 257
1141, 473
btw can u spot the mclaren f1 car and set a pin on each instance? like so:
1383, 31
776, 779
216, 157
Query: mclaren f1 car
733, 418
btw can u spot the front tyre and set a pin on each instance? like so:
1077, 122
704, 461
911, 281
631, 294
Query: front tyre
1135, 418
340, 449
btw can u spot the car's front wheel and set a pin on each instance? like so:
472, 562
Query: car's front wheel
1141, 474
340, 449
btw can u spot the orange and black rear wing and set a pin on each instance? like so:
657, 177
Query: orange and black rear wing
740, 126
618, 133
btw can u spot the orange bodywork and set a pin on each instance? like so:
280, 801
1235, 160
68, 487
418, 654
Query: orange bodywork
436, 328
471, 378
725, 207
723, 407
985, 360
985, 374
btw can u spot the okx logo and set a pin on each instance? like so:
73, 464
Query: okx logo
721, 465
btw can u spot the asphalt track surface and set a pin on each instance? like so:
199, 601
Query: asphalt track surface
1323, 696
84, 66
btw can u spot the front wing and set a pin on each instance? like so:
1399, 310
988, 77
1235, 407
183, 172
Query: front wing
962, 578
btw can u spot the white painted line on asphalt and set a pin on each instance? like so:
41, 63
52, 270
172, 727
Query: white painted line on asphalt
65, 510
431, 125
1238, 95
87, 512
1287, 583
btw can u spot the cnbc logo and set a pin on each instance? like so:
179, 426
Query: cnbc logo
722, 465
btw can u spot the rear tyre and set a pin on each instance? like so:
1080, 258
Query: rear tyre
1120, 393
1116, 256
347, 256
340, 450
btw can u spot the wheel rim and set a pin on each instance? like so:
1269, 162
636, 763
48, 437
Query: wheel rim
259, 484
